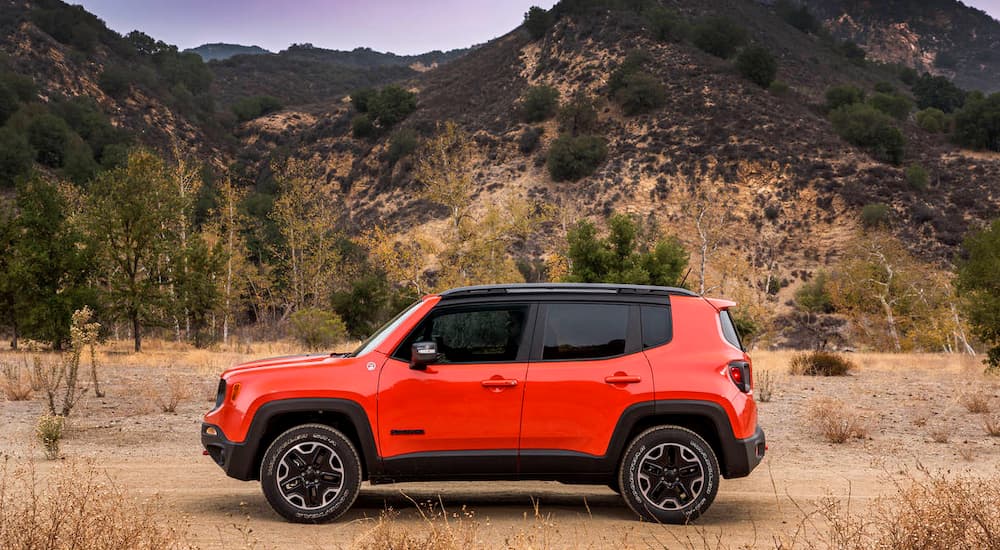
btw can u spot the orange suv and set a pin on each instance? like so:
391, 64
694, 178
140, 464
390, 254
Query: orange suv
644, 389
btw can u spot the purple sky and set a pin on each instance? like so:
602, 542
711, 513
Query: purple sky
399, 26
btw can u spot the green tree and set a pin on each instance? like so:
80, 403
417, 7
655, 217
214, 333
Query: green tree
131, 212
52, 263
937, 92
49, 135
401, 144
977, 124
719, 36
866, 127
917, 177
362, 127
572, 158
445, 170
360, 99
757, 65
8, 284
841, 96
856, 54
979, 287
875, 215
640, 93
624, 256
933, 120
9, 103
537, 22
391, 105
539, 103
666, 25
895, 105
318, 329
196, 286
16, 157
578, 116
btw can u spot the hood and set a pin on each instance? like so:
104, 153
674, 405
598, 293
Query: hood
304, 360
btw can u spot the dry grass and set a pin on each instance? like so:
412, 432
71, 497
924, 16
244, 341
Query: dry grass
75, 506
15, 380
992, 426
835, 421
169, 393
940, 435
765, 384
930, 512
978, 403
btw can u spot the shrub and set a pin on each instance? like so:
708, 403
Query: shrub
933, 120
764, 383
391, 105
537, 21
917, 177
318, 329
540, 103
937, 92
170, 394
401, 144
757, 65
798, 16
666, 25
835, 421
49, 430
9, 103
852, 51
814, 296
884, 87
719, 36
907, 75
362, 127
641, 92
976, 403
361, 98
977, 124
779, 87
820, 363
894, 105
634, 62
870, 129
16, 157
23, 86
572, 158
841, 96
115, 81
49, 136
578, 116
529, 139
14, 384
250, 108
875, 215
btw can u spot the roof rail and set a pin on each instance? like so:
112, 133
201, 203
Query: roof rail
574, 288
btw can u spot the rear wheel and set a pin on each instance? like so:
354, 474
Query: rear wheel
669, 474
311, 474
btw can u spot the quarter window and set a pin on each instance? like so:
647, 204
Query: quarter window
585, 331
729, 329
470, 336
656, 326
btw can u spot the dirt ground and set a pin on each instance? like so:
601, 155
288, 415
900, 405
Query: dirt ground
910, 405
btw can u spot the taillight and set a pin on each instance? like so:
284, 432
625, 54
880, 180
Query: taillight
739, 373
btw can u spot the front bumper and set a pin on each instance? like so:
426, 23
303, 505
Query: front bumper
234, 458
743, 455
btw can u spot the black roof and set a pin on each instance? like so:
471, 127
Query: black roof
568, 288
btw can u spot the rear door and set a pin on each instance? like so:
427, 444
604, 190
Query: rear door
462, 412
586, 369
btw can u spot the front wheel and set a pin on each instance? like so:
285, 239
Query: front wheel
311, 474
669, 474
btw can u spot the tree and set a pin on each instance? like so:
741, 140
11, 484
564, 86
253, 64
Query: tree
842, 96
445, 170
866, 127
537, 22
895, 105
640, 93
16, 157
933, 120
228, 221
757, 65
391, 105
9, 103
308, 256
977, 124
131, 212
666, 25
623, 256
8, 285
362, 127
197, 285
979, 288
798, 16
539, 103
578, 116
572, 158
719, 36
937, 92
401, 144
813, 299
51, 264
856, 54
49, 136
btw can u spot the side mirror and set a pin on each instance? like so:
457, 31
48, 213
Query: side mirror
423, 354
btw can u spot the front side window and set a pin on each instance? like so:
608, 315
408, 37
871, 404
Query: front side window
585, 331
471, 336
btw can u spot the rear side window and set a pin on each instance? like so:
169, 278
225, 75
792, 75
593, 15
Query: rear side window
585, 331
471, 336
729, 329
656, 326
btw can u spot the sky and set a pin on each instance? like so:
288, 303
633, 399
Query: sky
398, 26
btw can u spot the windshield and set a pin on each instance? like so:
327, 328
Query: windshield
381, 334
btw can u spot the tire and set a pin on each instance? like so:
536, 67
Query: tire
669, 474
311, 474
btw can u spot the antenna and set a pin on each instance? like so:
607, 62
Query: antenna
685, 278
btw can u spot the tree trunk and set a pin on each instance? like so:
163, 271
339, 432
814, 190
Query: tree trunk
136, 331
13, 342
891, 321
93, 372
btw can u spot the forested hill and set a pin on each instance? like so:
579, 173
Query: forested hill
219, 51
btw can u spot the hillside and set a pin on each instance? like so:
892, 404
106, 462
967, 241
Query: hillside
944, 37
219, 51
789, 190
306, 74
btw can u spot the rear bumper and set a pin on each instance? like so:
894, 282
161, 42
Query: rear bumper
743, 455
234, 458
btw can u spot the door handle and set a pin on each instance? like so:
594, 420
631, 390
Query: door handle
499, 383
622, 378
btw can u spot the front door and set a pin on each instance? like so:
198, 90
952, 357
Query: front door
463, 411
